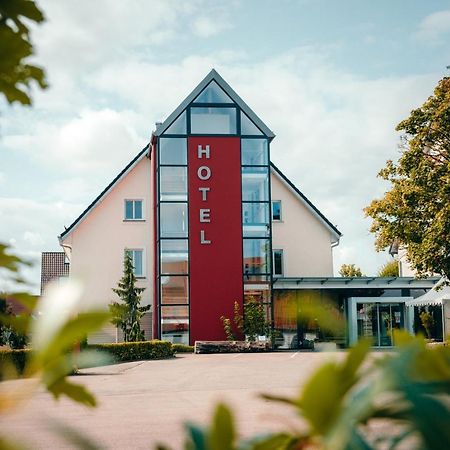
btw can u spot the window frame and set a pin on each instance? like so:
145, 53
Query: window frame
144, 266
281, 252
133, 219
281, 211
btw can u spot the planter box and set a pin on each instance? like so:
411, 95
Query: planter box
230, 347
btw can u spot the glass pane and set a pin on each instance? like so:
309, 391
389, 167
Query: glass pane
129, 209
175, 324
278, 262
255, 184
178, 126
213, 93
367, 321
256, 231
256, 256
254, 152
173, 151
173, 183
174, 290
248, 127
276, 210
256, 279
385, 323
173, 219
285, 321
138, 209
174, 256
213, 120
255, 213
137, 262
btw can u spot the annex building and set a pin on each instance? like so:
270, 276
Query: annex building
209, 220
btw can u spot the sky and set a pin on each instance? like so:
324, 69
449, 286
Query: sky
332, 79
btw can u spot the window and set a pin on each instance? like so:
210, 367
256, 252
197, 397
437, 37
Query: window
213, 120
256, 256
173, 220
254, 152
133, 210
173, 183
278, 263
173, 151
255, 184
137, 258
276, 210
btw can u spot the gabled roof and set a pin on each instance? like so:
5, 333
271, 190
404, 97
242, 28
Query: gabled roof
105, 191
213, 75
334, 231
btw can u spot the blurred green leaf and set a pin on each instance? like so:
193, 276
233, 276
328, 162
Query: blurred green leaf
197, 438
7, 261
72, 332
279, 441
222, 434
74, 391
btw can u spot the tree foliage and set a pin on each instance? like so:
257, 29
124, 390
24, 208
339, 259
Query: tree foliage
16, 74
350, 270
8, 334
127, 314
416, 210
390, 269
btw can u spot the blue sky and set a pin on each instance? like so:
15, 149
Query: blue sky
330, 78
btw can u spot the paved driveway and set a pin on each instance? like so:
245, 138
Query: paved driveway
143, 403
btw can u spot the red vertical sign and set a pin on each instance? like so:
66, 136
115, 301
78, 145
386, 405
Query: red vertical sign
215, 233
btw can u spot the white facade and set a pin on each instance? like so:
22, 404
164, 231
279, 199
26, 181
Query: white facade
95, 246
301, 233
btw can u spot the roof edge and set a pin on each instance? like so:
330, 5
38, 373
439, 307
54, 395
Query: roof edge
308, 202
214, 75
105, 191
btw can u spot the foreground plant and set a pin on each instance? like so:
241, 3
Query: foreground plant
56, 325
408, 390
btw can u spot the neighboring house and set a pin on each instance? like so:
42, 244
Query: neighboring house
206, 217
400, 254
54, 267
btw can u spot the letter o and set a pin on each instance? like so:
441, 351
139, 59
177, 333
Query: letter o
204, 173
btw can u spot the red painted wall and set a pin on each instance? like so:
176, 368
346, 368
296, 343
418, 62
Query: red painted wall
216, 267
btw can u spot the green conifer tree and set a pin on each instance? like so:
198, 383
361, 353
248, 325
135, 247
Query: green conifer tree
127, 313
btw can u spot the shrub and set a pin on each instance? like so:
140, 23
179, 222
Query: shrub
137, 351
15, 357
181, 348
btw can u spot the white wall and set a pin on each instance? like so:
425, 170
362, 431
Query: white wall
304, 239
98, 244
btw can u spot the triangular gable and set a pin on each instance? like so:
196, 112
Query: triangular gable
206, 91
130, 166
336, 234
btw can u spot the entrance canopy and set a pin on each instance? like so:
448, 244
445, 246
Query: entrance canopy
435, 296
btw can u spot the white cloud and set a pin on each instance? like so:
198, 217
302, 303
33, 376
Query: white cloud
435, 27
95, 141
209, 26
34, 239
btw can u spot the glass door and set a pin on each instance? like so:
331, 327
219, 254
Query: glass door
385, 325
378, 320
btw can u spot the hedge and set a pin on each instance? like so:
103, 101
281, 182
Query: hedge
137, 351
182, 348
15, 357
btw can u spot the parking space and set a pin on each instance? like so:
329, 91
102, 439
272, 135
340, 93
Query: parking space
143, 403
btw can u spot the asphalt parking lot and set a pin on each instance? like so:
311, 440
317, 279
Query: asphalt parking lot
141, 404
